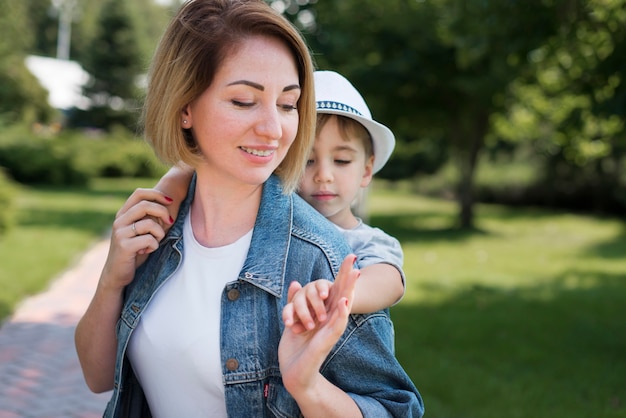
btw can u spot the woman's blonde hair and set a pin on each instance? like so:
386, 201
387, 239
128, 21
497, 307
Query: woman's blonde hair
197, 41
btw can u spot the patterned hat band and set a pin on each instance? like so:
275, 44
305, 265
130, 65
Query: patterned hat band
337, 106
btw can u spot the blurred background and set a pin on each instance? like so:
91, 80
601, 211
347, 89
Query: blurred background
506, 188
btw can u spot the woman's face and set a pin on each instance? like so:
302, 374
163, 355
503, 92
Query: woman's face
245, 121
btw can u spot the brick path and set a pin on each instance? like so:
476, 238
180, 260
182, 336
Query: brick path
39, 371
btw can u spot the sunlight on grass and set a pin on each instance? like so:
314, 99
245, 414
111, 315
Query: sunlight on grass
520, 317
54, 228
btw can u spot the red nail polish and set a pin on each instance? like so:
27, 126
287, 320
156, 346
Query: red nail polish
171, 220
169, 199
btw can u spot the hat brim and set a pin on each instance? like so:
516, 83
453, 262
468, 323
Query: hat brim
383, 139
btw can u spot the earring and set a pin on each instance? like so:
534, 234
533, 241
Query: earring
185, 121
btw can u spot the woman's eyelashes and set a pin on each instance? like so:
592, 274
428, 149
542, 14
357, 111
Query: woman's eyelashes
284, 107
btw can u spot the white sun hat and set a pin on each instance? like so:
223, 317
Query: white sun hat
335, 95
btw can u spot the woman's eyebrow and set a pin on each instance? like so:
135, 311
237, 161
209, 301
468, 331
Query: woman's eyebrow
260, 87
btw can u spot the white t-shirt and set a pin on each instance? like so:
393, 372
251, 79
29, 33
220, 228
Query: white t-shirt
175, 349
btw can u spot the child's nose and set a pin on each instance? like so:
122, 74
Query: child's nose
323, 174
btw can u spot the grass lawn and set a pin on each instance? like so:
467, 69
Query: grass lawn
54, 227
523, 317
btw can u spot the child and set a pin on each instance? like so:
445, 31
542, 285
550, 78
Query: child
349, 148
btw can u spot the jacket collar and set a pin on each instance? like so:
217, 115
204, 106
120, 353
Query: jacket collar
266, 261
267, 257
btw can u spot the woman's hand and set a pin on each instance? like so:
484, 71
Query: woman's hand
301, 354
137, 230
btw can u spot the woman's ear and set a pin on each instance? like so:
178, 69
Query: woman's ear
185, 118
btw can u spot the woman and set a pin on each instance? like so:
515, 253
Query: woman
196, 329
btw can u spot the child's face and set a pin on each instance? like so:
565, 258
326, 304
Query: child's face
335, 172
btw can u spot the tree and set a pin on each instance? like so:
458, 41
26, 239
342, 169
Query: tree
22, 98
434, 71
572, 105
114, 63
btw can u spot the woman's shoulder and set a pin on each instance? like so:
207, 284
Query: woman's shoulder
311, 226
305, 217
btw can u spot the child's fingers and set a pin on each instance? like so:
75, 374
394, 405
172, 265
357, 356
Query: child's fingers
317, 293
302, 310
289, 316
293, 289
151, 195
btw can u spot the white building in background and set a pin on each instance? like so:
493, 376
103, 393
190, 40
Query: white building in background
62, 78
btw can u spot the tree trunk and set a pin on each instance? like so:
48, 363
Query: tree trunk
469, 144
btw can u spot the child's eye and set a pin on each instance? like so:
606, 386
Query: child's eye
310, 162
342, 162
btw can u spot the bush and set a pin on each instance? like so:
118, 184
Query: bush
72, 157
22, 98
7, 203
121, 154
33, 159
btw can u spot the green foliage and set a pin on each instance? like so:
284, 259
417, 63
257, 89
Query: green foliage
43, 17
120, 154
149, 18
113, 59
15, 36
32, 159
73, 158
570, 107
114, 63
7, 203
53, 227
22, 99
434, 70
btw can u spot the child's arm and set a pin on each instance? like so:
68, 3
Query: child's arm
379, 287
174, 184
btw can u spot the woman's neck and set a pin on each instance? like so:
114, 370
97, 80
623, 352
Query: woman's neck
221, 214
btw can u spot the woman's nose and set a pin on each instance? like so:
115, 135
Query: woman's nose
269, 124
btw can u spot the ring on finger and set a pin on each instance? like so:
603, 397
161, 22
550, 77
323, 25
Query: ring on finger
135, 229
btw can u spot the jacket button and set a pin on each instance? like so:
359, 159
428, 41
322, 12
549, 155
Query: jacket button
233, 294
232, 364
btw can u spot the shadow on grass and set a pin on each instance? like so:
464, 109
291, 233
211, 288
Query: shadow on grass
549, 351
611, 249
410, 227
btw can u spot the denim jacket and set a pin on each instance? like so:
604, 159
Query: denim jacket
290, 241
